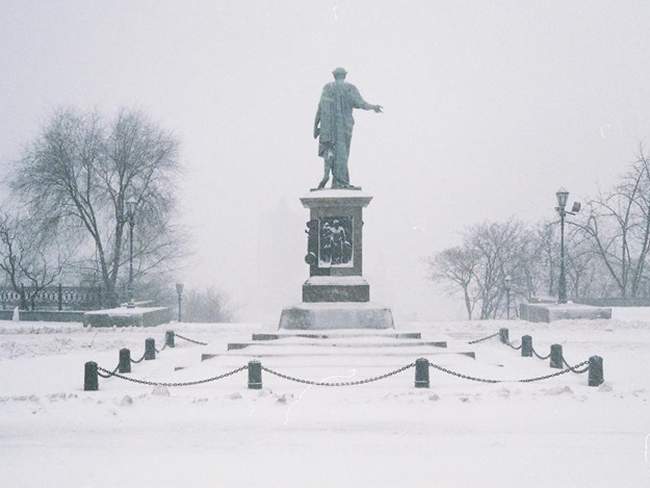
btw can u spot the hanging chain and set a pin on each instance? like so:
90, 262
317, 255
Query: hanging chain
539, 356
191, 340
158, 383
341, 383
572, 368
525, 380
476, 341
136, 361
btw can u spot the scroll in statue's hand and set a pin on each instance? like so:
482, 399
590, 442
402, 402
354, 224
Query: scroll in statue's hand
378, 108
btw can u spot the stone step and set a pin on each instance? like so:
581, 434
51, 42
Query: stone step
361, 345
414, 356
336, 335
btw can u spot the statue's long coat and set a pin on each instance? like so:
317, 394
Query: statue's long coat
336, 122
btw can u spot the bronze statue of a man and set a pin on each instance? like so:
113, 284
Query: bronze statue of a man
334, 124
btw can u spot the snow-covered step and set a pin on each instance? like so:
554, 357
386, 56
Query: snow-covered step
370, 344
334, 354
336, 335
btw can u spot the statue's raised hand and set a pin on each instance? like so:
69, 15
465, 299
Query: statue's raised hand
378, 108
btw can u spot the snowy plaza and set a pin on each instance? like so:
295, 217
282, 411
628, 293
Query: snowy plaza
387, 433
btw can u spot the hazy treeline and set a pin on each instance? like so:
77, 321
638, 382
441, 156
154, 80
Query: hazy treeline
607, 246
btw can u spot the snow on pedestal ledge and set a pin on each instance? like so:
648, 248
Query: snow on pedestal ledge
337, 315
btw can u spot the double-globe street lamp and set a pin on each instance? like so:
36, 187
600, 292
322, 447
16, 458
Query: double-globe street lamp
130, 219
562, 196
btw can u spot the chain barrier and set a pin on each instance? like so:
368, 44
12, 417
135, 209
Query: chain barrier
539, 356
136, 361
108, 373
476, 341
342, 383
161, 349
105, 373
572, 368
564, 371
157, 383
516, 348
191, 340
525, 380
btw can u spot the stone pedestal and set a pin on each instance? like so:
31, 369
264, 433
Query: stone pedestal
336, 295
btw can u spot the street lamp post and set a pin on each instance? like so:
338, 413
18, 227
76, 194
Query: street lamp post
562, 196
179, 292
130, 218
508, 283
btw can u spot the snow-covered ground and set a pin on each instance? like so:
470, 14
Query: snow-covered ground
458, 433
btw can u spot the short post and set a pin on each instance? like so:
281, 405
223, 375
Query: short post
169, 338
526, 346
422, 373
60, 296
503, 336
596, 371
556, 356
90, 376
125, 361
149, 349
254, 375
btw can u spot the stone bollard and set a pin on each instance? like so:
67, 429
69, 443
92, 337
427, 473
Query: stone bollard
90, 376
556, 356
125, 361
526, 346
169, 338
422, 373
254, 375
149, 349
503, 336
596, 371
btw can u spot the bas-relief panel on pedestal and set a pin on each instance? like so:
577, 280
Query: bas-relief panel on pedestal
335, 242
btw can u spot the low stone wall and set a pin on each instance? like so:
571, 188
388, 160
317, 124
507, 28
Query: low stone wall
45, 315
547, 312
615, 302
128, 317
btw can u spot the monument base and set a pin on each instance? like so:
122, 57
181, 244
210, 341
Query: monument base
336, 315
336, 289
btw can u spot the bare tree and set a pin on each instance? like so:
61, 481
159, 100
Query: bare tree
31, 258
80, 172
478, 268
618, 224
456, 266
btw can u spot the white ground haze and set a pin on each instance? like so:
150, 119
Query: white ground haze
384, 434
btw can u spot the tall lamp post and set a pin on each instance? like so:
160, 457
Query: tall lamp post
562, 197
507, 281
130, 218
179, 292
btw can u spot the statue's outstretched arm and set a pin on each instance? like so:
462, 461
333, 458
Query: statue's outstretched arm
359, 102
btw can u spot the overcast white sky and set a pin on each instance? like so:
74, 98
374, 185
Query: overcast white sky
489, 108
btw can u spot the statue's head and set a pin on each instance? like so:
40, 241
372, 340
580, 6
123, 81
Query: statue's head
339, 73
